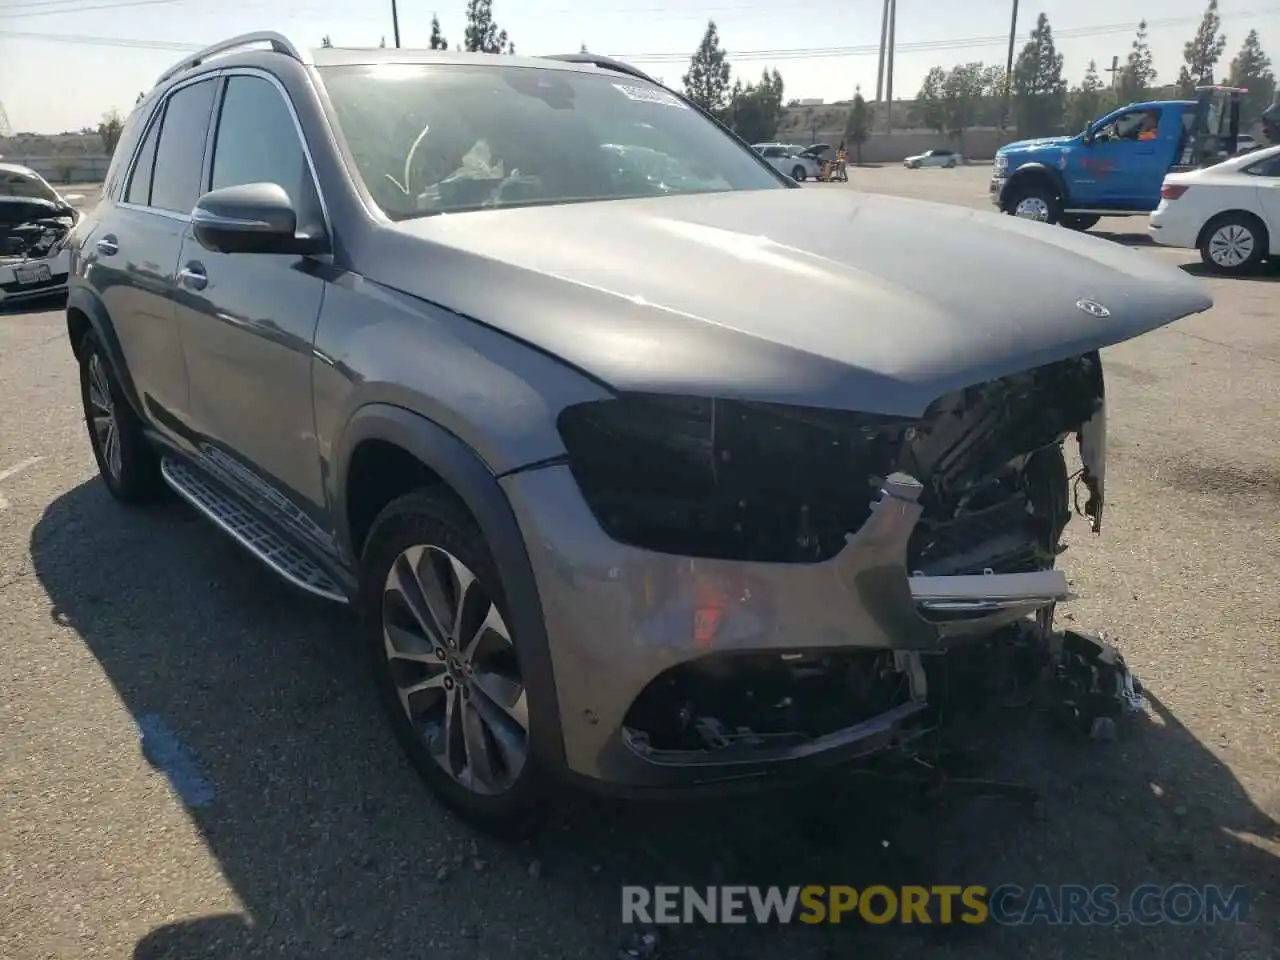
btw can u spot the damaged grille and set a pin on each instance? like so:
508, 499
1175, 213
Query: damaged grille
765, 482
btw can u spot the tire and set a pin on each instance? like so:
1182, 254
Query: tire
797, 172
503, 795
1079, 221
1233, 243
951, 164
127, 463
1035, 198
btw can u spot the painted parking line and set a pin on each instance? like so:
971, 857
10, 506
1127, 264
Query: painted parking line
168, 754
13, 472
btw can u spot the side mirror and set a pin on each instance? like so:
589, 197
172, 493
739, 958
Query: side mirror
251, 218
1087, 138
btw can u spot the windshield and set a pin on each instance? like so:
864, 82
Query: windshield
442, 138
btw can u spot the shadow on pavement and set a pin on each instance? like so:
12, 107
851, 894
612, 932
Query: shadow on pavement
328, 839
1267, 272
56, 301
1125, 239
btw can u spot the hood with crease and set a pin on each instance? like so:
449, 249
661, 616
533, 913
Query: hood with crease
1020, 145
829, 298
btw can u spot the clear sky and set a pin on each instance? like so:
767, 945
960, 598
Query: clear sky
115, 48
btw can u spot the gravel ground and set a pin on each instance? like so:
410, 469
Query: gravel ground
299, 832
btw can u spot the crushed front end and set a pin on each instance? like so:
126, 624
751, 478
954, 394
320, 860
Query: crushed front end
733, 589
33, 237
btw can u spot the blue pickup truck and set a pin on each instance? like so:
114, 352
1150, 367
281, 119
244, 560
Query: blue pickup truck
1116, 165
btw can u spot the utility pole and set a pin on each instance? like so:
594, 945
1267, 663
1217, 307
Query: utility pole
884, 39
395, 23
1008, 67
1114, 70
888, 78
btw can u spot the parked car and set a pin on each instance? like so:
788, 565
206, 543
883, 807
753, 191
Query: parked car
1230, 212
933, 158
1247, 144
608, 513
789, 158
35, 222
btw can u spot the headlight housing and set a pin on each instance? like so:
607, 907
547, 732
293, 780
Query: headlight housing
1000, 164
729, 479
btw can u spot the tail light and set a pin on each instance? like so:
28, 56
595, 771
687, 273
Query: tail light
1172, 191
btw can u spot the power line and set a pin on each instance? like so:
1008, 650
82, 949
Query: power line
792, 53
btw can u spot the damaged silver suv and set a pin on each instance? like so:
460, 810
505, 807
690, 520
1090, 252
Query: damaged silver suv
642, 475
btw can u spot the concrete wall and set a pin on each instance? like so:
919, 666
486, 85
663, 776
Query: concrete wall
80, 168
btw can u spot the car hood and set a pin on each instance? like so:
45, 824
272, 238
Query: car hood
830, 298
1022, 146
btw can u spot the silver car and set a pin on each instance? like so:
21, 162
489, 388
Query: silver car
35, 222
934, 158
640, 482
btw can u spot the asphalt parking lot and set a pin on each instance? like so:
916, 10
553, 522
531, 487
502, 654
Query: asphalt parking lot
290, 827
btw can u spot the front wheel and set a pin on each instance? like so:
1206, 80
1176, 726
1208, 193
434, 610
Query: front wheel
1035, 202
129, 467
445, 662
1079, 221
797, 173
1234, 243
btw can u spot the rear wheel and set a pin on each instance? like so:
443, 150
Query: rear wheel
1035, 201
797, 172
445, 662
1234, 243
1079, 221
129, 466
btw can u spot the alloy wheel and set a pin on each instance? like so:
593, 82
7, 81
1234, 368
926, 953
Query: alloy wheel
454, 669
1231, 245
1032, 208
102, 417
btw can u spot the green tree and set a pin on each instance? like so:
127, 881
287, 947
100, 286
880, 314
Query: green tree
707, 82
1039, 91
962, 98
1251, 69
109, 130
438, 42
1202, 52
857, 126
929, 106
755, 109
1085, 103
994, 83
1138, 75
482, 35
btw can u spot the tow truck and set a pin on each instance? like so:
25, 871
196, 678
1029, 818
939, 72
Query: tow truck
1114, 167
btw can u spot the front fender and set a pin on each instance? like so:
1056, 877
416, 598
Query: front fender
1036, 169
459, 466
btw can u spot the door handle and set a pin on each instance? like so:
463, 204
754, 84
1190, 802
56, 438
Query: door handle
107, 246
193, 276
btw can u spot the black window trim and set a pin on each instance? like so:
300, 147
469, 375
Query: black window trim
157, 116
216, 117
1249, 169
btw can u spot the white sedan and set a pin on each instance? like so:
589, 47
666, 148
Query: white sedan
1230, 212
933, 158
35, 222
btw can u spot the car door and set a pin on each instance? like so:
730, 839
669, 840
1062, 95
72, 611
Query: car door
248, 320
776, 157
1125, 170
131, 255
1267, 173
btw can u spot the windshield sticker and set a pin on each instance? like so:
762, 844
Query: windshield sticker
649, 95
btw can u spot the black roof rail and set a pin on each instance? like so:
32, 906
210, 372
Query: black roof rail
603, 62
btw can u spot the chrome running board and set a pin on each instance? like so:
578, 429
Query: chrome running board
246, 529
989, 592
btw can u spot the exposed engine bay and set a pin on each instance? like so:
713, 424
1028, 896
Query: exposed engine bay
32, 228
759, 482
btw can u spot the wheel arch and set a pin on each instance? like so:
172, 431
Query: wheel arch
444, 459
85, 313
1034, 174
1264, 235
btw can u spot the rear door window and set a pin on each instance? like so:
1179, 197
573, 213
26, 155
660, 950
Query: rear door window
139, 190
179, 161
